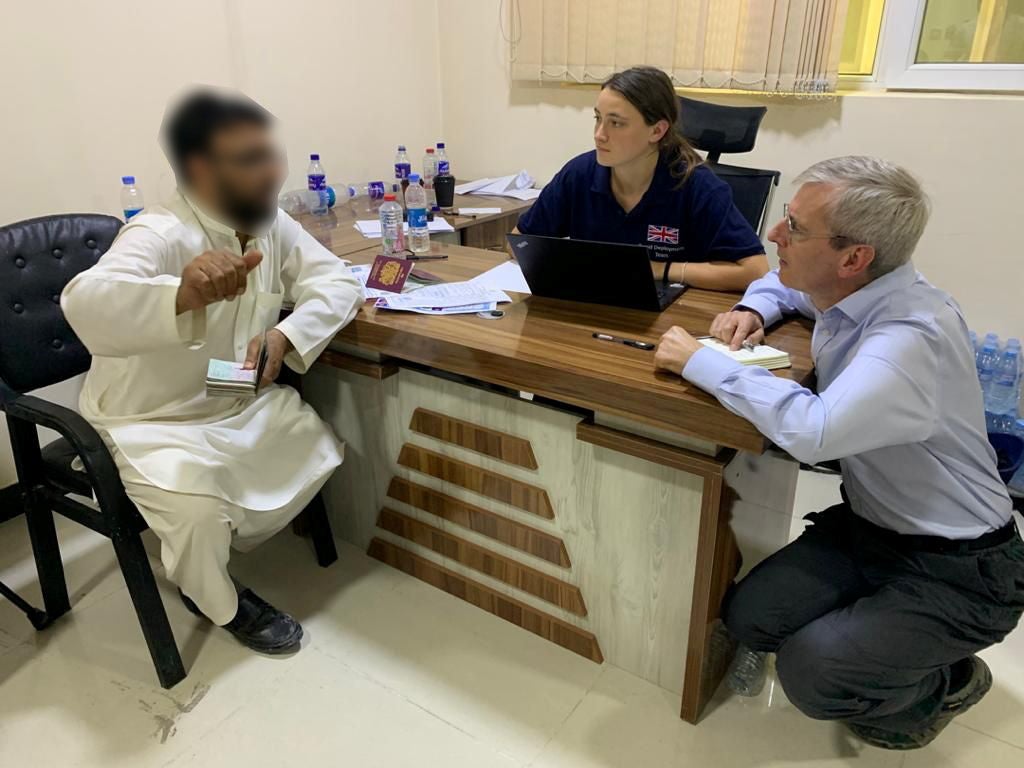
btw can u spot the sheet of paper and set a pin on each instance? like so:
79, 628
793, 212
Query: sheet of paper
504, 277
464, 309
502, 186
478, 211
523, 194
445, 295
371, 228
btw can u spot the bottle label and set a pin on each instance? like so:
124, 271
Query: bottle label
402, 170
317, 181
417, 218
376, 190
129, 212
443, 168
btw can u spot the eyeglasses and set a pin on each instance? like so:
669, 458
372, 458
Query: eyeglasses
797, 235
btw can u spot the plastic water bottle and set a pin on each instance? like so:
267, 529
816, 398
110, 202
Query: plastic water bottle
443, 166
296, 201
416, 205
1004, 394
402, 165
988, 355
365, 195
131, 197
429, 172
317, 179
392, 229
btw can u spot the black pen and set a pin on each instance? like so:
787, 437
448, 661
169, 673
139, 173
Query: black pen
431, 257
628, 342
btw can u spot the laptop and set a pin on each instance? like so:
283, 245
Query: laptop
595, 273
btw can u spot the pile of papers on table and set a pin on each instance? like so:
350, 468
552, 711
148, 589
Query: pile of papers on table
445, 299
371, 227
519, 186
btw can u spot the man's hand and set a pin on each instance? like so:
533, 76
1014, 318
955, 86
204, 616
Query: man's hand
675, 350
214, 276
278, 346
733, 328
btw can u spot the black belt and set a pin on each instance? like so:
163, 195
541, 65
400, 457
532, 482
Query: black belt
938, 544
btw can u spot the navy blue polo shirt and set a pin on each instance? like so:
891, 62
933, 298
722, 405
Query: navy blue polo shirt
695, 223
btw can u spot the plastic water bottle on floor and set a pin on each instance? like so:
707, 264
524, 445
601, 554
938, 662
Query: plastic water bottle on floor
444, 167
131, 197
317, 182
747, 674
392, 229
416, 205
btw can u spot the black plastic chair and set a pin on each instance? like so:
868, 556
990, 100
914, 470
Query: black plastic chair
38, 258
717, 129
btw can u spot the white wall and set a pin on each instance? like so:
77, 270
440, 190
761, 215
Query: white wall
84, 86
966, 149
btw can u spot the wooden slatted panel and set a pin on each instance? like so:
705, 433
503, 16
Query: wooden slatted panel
490, 442
505, 569
541, 624
508, 490
522, 537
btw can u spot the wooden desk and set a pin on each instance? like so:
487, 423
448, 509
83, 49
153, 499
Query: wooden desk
596, 514
337, 229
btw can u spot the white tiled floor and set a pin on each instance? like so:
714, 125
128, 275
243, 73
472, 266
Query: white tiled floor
394, 673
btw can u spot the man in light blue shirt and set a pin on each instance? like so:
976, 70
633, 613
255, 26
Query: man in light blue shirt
877, 610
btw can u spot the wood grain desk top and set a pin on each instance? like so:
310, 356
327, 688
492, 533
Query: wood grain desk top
545, 346
337, 232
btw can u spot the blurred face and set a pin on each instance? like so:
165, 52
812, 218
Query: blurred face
808, 261
241, 174
620, 133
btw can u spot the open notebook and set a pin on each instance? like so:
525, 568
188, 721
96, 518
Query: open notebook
762, 355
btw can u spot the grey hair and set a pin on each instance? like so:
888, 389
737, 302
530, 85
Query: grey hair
876, 203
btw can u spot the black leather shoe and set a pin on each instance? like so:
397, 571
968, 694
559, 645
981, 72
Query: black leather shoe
973, 690
258, 625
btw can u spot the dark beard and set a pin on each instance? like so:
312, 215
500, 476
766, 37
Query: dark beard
246, 214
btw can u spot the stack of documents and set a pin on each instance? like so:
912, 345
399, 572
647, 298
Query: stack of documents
762, 354
518, 186
507, 276
371, 228
445, 299
225, 378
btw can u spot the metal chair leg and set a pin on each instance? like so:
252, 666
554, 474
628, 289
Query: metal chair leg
138, 576
320, 529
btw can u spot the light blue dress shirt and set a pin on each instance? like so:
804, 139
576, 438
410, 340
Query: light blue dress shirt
898, 403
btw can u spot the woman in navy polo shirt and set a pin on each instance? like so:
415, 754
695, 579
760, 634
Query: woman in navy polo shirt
645, 184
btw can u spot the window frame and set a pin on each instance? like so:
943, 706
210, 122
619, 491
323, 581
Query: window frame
896, 67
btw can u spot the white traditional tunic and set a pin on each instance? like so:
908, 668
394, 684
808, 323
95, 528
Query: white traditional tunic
146, 392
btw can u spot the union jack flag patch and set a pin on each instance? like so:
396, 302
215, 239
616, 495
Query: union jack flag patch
662, 235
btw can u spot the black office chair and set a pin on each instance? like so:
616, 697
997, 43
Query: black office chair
38, 258
717, 129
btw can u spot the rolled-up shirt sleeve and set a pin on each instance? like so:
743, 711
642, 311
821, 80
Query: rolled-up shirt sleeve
886, 396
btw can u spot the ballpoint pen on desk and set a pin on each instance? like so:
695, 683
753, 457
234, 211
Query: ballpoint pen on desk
645, 345
427, 257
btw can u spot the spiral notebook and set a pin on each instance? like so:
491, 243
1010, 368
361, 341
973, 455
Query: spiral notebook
761, 355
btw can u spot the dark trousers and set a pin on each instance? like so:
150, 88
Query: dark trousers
867, 623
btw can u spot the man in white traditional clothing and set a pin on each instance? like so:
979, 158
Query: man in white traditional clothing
201, 277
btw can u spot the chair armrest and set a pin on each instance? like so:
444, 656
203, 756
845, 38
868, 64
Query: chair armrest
79, 433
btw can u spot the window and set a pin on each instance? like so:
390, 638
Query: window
860, 38
936, 44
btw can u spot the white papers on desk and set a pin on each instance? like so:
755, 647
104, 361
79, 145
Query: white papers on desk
445, 299
371, 227
507, 276
517, 186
